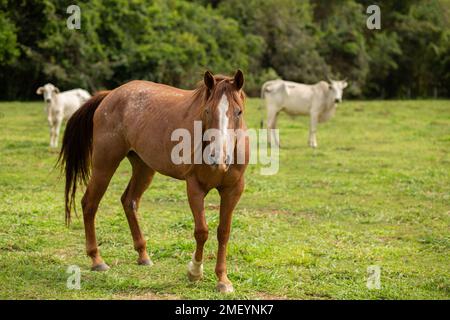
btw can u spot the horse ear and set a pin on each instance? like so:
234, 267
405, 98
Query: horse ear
40, 90
209, 80
239, 79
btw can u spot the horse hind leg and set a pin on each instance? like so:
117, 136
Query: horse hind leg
105, 162
140, 181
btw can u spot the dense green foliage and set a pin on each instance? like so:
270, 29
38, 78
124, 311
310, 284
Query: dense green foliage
173, 41
375, 192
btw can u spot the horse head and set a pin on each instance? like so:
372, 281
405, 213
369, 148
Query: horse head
222, 117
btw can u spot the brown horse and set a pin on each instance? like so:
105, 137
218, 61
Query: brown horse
136, 121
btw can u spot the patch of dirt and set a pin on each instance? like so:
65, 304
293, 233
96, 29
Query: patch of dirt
268, 296
146, 296
305, 215
344, 148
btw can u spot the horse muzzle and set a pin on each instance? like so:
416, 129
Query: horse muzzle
218, 164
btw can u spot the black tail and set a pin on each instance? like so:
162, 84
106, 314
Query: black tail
76, 150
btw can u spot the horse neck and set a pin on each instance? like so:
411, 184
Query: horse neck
192, 110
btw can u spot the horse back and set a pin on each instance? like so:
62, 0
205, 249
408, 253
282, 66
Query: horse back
142, 115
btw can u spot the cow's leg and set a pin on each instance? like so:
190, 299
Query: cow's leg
52, 134
56, 132
51, 126
272, 115
229, 197
314, 120
140, 180
196, 196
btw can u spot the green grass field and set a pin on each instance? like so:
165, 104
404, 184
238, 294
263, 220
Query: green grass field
375, 192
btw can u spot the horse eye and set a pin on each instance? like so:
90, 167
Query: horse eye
238, 113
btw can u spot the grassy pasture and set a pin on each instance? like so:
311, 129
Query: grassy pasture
375, 192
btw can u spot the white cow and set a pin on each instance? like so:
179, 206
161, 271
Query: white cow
60, 106
319, 101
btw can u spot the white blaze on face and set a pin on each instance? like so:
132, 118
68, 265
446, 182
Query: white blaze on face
220, 150
223, 118
223, 123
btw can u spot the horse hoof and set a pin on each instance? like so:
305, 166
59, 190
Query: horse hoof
224, 287
145, 262
194, 277
100, 267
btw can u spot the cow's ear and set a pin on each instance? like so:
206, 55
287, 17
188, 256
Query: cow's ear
239, 79
40, 90
209, 80
344, 84
56, 90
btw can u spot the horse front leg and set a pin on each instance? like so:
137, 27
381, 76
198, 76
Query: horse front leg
196, 196
229, 197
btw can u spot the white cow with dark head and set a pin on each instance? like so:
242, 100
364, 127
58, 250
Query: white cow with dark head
60, 106
319, 101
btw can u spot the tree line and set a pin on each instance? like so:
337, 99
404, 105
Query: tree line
174, 41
